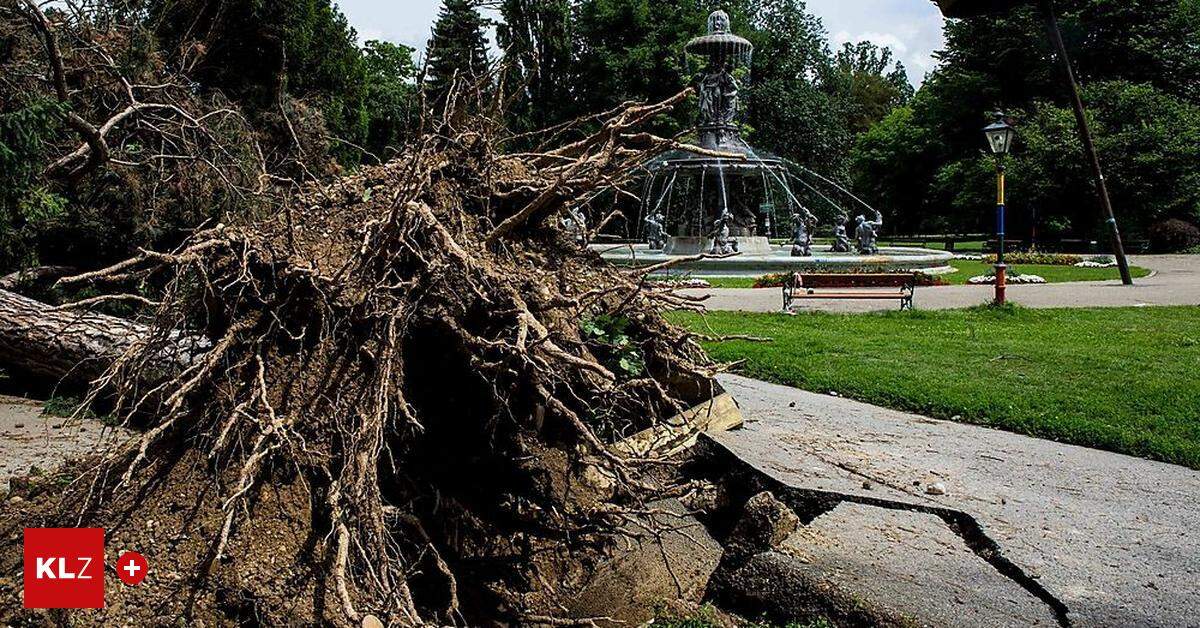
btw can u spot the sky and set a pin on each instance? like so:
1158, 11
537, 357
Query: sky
911, 28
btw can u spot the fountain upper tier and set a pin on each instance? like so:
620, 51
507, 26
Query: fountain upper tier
719, 89
719, 45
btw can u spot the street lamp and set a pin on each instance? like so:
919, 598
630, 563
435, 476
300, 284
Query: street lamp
1000, 136
975, 8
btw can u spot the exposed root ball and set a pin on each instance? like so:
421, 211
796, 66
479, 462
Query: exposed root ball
404, 408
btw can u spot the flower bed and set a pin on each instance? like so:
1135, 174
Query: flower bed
1046, 259
1011, 280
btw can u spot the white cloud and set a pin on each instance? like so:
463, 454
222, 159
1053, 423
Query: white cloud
884, 40
911, 28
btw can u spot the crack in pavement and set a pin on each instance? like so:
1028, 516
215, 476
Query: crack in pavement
809, 504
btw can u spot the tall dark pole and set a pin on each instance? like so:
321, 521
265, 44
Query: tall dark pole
1085, 133
1001, 267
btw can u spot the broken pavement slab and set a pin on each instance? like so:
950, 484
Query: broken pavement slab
667, 555
886, 555
679, 432
1114, 539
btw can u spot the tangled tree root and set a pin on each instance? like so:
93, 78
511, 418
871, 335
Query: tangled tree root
397, 411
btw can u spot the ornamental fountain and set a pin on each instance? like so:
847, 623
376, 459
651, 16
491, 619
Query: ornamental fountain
728, 199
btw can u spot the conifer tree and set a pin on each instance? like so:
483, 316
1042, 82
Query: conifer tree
537, 39
458, 48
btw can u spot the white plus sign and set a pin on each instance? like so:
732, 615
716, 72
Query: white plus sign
132, 568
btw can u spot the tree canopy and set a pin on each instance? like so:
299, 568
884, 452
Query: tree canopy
317, 101
1140, 71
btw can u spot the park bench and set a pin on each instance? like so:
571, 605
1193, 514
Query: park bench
800, 286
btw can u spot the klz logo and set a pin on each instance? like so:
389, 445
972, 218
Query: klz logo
64, 567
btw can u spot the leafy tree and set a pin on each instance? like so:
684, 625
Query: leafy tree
27, 207
792, 109
633, 50
875, 167
537, 39
458, 49
869, 83
1140, 70
1150, 144
391, 95
163, 175
258, 52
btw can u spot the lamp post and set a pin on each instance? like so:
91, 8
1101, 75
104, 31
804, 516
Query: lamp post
1000, 136
976, 8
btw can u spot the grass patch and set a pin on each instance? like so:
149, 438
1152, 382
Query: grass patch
970, 246
969, 268
1052, 274
66, 407
1121, 379
731, 282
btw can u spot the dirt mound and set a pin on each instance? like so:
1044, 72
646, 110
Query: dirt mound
397, 398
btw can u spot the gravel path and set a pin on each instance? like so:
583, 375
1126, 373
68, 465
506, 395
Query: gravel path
1176, 281
31, 440
1114, 538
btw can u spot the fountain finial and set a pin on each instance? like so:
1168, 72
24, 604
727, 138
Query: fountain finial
718, 23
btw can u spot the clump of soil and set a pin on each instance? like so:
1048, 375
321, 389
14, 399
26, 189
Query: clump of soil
386, 403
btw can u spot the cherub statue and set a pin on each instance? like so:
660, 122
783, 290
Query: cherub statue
841, 240
723, 244
867, 233
655, 234
801, 232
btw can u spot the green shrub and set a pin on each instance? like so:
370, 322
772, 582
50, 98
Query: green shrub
1174, 236
608, 334
1041, 259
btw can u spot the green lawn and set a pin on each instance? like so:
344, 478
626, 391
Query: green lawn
1119, 379
969, 246
730, 282
1052, 274
968, 269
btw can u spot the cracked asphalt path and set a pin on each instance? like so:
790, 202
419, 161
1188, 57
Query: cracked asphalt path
1114, 538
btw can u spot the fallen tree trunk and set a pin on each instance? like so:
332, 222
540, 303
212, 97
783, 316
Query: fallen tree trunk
41, 341
36, 274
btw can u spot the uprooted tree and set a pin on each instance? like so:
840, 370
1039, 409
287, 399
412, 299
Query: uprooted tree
384, 391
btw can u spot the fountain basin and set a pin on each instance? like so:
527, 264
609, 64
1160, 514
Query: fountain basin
778, 259
686, 245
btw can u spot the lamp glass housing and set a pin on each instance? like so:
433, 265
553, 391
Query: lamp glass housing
1000, 136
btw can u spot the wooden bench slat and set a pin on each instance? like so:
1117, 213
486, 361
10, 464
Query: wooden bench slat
851, 295
866, 285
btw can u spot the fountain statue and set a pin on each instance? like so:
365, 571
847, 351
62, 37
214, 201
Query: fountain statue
867, 233
575, 223
841, 241
723, 244
704, 194
767, 227
656, 236
801, 233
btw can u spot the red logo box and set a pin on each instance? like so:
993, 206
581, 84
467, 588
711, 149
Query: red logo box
64, 568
